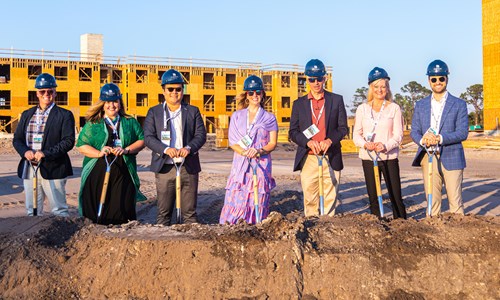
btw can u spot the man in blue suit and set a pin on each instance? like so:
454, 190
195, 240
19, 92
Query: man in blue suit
174, 130
440, 121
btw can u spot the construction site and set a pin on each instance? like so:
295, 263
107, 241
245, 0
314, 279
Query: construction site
211, 85
352, 255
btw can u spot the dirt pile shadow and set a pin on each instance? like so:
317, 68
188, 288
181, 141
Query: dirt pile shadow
345, 257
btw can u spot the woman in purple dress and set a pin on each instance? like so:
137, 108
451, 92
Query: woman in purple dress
253, 134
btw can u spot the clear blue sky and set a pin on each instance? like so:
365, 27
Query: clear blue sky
351, 36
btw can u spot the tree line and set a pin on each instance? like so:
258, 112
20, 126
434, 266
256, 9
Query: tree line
414, 91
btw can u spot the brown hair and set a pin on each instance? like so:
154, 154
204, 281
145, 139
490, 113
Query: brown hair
96, 112
242, 101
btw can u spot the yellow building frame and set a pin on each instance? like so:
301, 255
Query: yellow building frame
491, 65
212, 85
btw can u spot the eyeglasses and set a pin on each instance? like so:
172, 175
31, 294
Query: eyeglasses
257, 92
171, 89
441, 79
314, 79
48, 92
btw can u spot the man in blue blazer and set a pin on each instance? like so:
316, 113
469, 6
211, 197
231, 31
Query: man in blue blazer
440, 121
174, 130
317, 125
45, 134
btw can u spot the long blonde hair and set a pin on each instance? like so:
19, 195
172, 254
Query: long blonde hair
388, 96
95, 114
242, 101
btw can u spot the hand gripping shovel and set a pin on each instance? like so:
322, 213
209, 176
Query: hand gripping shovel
320, 158
431, 151
255, 188
178, 162
377, 180
104, 186
35, 166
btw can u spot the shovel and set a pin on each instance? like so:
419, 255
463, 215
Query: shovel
255, 188
35, 166
104, 186
431, 151
178, 162
377, 180
320, 158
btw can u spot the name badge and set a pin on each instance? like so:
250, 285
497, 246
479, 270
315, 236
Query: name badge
245, 142
118, 143
431, 130
311, 131
165, 137
37, 142
370, 136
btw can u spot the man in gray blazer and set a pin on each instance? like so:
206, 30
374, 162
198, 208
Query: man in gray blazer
174, 130
440, 120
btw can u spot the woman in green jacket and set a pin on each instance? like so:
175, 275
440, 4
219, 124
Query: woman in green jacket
110, 136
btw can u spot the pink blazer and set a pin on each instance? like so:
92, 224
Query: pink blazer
389, 130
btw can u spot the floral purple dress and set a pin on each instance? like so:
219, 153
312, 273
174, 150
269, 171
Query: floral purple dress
238, 203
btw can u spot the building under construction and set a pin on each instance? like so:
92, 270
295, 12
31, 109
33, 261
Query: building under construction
491, 65
212, 84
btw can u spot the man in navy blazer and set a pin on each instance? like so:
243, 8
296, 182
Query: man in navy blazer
440, 121
174, 130
45, 134
317, 125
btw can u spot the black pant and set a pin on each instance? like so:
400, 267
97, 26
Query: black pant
165, 194
390, 170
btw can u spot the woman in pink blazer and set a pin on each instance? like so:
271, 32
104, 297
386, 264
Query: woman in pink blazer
379, 128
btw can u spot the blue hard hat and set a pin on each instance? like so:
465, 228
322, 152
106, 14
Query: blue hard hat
376, 74
315, 68
253, 83
437, 68
45, 81
172, 77
110, 92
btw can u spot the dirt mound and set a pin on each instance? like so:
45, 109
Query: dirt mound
345, 257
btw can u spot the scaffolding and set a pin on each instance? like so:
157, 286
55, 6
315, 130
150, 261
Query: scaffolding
211, 85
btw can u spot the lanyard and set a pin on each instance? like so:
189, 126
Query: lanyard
437, 119
113, 126
375, 122
250, 126
320, 112
165, 119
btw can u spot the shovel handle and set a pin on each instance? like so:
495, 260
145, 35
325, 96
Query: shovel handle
35, 166
378, 188
255, 190
429, 185
256, 198
35, 194
178, 192
104, 188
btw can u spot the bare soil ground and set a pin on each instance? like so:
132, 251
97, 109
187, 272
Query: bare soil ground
350, 256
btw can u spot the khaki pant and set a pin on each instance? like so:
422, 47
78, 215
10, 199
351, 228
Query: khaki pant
452, 181
310, 186
53, 189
